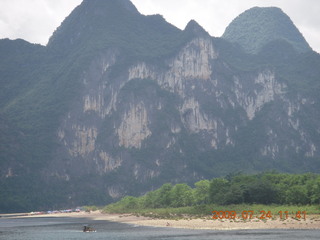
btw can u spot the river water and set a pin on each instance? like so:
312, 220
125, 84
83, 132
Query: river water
71, 229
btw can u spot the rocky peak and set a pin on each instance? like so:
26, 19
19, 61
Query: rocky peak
92, 21
126, 4
96, 25
256, 27
195, 28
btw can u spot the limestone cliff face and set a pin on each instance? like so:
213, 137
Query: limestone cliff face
134, 127
149, 118
266, 88
192, 62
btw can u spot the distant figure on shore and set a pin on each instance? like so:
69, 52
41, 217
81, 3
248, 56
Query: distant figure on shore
168, 224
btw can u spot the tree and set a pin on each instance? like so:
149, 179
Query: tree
150, 200
181, 196
127, 203
201, 192
218, 189
315, 192
164, 198
297, 195
234, 195
260, 191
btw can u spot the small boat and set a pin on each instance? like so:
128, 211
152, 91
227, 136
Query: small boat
88, 229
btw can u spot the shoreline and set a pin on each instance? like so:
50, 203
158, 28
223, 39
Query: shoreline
312, 221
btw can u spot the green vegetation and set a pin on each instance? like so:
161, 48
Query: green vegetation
90, 208
256, 27
205, 211
268, 191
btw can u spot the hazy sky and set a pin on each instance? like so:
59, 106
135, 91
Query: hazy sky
35, 20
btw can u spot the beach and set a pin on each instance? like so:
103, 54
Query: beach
311, 222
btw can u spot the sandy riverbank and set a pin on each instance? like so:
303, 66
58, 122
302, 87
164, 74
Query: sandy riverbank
312, 221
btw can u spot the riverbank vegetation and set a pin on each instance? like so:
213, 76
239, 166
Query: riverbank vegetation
272, 192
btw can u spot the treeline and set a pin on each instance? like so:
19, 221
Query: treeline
266, 188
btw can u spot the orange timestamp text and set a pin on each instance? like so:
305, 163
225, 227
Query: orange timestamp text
263, 215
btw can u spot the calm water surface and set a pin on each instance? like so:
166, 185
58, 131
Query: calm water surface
68, 228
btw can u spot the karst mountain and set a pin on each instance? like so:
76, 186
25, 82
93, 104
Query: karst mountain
119, 103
